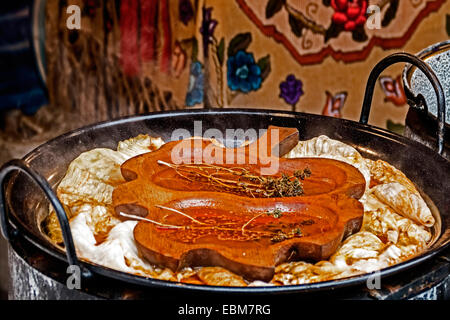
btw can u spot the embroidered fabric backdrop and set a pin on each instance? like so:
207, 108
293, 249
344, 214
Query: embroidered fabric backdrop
312, 56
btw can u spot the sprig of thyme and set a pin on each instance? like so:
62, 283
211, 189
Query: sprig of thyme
276, 213
277, 236
241, 181
282, 236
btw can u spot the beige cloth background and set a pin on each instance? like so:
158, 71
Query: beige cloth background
86, 68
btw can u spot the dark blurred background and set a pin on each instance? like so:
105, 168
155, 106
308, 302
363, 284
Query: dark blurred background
21, 94
20, 86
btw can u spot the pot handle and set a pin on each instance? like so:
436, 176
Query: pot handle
22, 166
426, 69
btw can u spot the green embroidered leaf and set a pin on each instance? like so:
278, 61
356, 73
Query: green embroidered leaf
221, 51
265, 66
448, 24
390, 13
296, 25
326, 3
194, 49
395, 127
240, 42
273, 6
333, 31
359, 34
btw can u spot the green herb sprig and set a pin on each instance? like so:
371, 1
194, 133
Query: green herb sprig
240, 180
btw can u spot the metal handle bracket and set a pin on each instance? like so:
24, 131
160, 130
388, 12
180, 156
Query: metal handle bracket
429, 73
9, 233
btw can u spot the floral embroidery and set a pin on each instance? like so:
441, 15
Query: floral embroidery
393, 90
349, 13
207, 28
334, 104
195, 90
243, 73
185, 11
291, 90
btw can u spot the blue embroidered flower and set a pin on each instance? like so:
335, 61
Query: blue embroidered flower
195, 90
243, 73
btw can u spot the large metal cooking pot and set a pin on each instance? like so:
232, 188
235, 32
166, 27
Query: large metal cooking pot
23, 205
422, 118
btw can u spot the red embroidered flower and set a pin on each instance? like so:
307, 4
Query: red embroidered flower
349, 13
